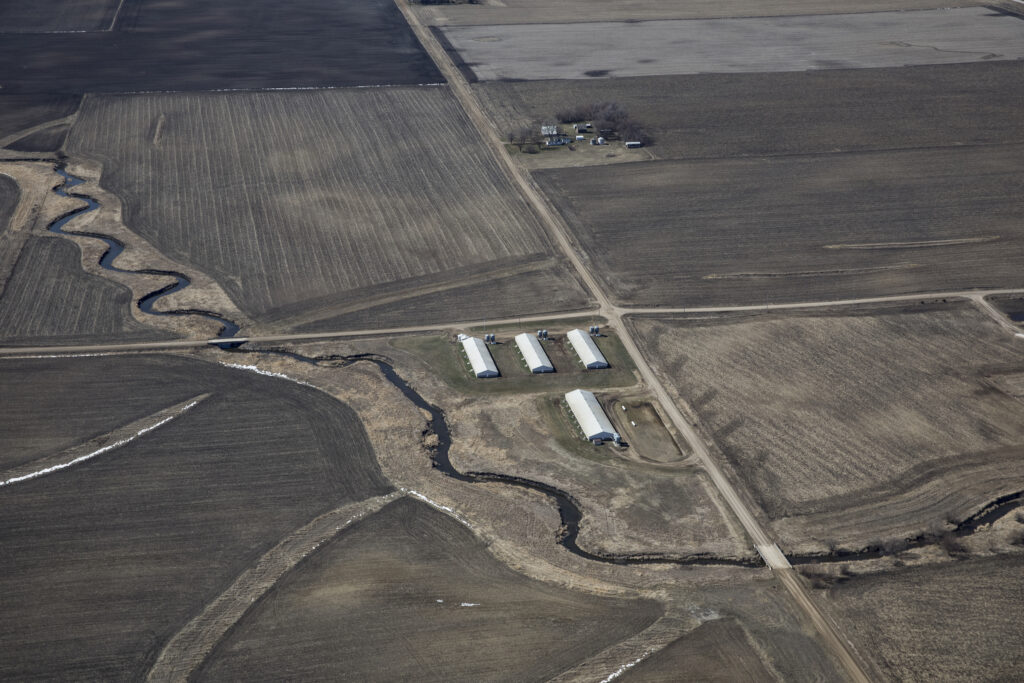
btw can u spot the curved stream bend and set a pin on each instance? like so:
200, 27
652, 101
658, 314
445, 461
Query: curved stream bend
115, 247
568, 508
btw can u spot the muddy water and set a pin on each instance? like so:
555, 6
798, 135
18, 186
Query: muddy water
114, 249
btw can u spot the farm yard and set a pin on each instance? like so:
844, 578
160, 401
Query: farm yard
358, 609
290, 200
151, 532
797, 228
859, 410
49, 298
809, 112
185, 45
955, 622
755, 44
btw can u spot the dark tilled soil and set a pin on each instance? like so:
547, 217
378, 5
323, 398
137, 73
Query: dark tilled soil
9, 196
18, 112
411, 594
103, 562
57, 15
799, 228
187, 46
49, 299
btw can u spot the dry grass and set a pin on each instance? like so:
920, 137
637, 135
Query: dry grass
955, 622
867, 411
377, 602
289, 199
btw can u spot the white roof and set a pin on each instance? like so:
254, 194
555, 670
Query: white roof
534, 353
586, 349
590, 415
479, 357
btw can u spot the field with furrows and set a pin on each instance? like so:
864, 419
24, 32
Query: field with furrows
798, 228
191, 45
719, 115
107, 559
294, 197
20, 112
49, 298
576, 11
9, 196
410, 593
952, 622
717, 650
820, 413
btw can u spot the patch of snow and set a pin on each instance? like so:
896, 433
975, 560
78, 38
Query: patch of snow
626, 667
435, 504
469, 604
267, 373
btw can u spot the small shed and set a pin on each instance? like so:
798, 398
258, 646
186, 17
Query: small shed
634, 144
534, 353
590, 415
479, 357
587, 350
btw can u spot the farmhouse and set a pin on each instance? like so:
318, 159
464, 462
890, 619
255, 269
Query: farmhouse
590, 416
479, 357
534, 353
587, 350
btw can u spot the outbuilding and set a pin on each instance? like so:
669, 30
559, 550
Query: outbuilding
534, 353
590, 415
479, 357
587, 350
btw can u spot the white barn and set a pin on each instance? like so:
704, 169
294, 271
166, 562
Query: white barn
586, 349
590, 415
479, 356
534, 353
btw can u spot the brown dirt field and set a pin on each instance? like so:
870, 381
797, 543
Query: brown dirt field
9, 196
872, 412
20, 112
955, 622
715, 651
797, 228
573, 11
724, 115
379, 600
106, 560
50, 299
292, 199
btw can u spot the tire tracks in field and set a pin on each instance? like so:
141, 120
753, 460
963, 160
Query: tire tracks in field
115, 247
190, 646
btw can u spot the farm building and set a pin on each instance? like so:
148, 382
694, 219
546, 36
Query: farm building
586, 349
534, 353
590, 415
479, 356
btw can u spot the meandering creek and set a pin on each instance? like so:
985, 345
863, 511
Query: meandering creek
568, 508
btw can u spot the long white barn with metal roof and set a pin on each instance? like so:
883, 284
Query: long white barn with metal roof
590, 415
479, 356
586, 349
534, 353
